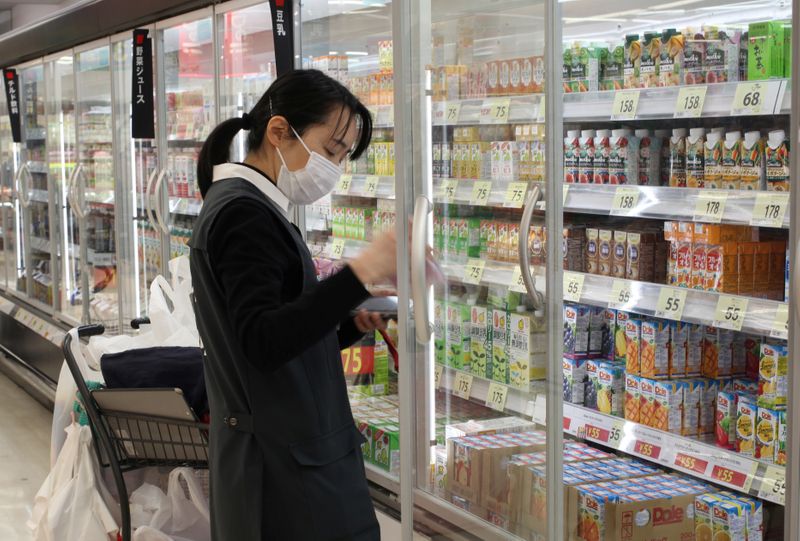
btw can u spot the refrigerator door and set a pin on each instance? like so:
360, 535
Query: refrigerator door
187, 78
6, 181
141, 242
60, 107
94, 188
247, 64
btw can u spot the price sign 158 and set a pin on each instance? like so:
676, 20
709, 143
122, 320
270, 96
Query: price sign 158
625, 105
690, 101
625, 200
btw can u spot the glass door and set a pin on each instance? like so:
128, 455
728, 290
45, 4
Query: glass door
187, 77
6, 198
60, 108
94, 187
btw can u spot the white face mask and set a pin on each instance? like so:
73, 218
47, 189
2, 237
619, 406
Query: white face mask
310, 183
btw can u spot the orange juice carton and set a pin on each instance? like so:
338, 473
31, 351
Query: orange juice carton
604, 251
679, 334
717, 356
633, 345
619, 253
632, 397
766, 435
602, 150
703, 515
668, 407
649, 64
591, 251
655, 349
586, 157
722, 54
708, 401
611, 383
620, 340
729, 520
623, 157
537, 73
695, 158
699, 255
732, 160
746, 413
647, 402
725, 420
694, 349
649, 158
692, 390
753, 167
694, 54
712, 160
776, 157
683, 264
677, 158
492, 77
671, 62
632, 58
772, 376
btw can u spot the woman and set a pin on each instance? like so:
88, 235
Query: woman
285, 454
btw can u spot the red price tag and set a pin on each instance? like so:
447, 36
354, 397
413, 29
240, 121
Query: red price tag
566, 423
728, 476
358, 360
691, 463
597, 433
647, 449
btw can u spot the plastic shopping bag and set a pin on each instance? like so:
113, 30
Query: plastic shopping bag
161, 517
72, 502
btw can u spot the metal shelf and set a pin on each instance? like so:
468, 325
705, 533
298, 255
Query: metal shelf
384, 186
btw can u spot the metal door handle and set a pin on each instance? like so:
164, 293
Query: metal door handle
524, 248
148, 207
80, 211
159, 212
71, 188
24, 198
419, 283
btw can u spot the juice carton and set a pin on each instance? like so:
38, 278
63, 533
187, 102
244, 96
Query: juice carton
574, 380
611, 383
732, 160
649, 158
470, 238
650, 61
677, 158
491, 238
695, 158
451, 235
765, 50
500, 322
480, 341
609, 330
604, 253
632, 61
755, 514
712, 159
623, 157
699, 255
717, 354
767, 434
668, 407
683, 264
620, 341
655, 349
576, 329
671, 62
502, 241
772, 376
776, 157
585, 72
703, 515
513, 242
596, 332
619, 254
633, 340
725, 421
632, 397
592, 368
708, 401
692, 391
439, 330
694, 54
679, 334
612, 74
746, 411
753, 166
663, 136
386, 447
602, 150
647, 396
458, 338
527, 348
729, 520
744, 385
780, 447
722, 55
694, 350
591, 251
447, 160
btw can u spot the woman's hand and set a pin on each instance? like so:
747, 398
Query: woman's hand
369, 321
378, 261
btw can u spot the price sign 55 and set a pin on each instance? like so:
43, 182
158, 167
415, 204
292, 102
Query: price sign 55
647, 449
688, 462
671, 302
730, 312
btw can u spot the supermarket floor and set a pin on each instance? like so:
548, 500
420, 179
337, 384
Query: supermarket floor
25, 461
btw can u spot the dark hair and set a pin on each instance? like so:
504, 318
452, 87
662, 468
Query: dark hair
305, 98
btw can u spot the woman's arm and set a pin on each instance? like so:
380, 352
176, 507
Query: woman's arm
259, 269
348, 333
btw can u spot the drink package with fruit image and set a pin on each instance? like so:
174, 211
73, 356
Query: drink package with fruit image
671, 63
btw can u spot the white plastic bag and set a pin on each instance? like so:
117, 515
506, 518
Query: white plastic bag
160, 517
72, 502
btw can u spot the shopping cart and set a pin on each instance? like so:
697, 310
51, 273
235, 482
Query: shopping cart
126, 440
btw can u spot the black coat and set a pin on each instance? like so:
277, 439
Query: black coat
285, 454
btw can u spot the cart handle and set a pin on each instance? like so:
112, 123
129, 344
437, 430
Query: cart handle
91, 330
139, 321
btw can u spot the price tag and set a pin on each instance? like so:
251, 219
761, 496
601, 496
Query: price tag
773, 485
437, 112
371, 185
769, 209
688, 462
780, 326
496, 399
481, 191
625, 200
730, 312
750, 99
495, 110
449, 190
565, 193
473, 271
710, 206
573, 286
344, 183
517, 283
337, 249
690, 101
515, 195
438, 370
462, 385
596, 433
647, 450
671, 301
728, 476
620, 294
625, 105
452, 112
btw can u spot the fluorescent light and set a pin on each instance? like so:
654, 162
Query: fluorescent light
645, 21
356, 53
333, 52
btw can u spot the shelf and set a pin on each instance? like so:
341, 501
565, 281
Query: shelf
184, 143
185, 205
464, 187
522, 109
663, 202
384, 187
382, 478
518, 401
39, 244
43, 328
496, 273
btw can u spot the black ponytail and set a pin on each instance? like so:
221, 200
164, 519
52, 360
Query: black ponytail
305, 98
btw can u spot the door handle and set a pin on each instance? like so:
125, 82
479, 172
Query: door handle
80, 211
524, 248
419, 285
148, 203
24, 173
158, 211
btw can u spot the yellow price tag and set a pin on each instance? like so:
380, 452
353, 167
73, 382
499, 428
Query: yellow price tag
452, 112
573, 286
337, 249
620, 294
671, 301
750, 98
343, 186
690, 101
515, 195
730, 312
473, 271
773, 485
371, 185
498, 394
462, 385
495, 110
780, 326
625, 200
517, 283
449, 190
438, 370
710, 206
769, 209
481, 191
625, 105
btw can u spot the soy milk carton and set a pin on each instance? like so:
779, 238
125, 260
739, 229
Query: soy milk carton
602, 150
586, 153
571, 154
623, 158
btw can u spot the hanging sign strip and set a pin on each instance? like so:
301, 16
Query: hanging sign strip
12, 100
282, 35
142, 112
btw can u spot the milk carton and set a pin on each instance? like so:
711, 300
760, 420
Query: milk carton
695, 158
732, 160
753, 166
623, 157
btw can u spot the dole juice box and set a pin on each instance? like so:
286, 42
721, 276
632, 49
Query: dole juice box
647, 402
633, 340
632, 397
729, 520
655, 345
772, 376
725, 424
458, 339
767, 434
574, 380
679, 333
620, 341
746, 412
703, 515
592, 383
708, 405
480, 341
692, 391
611, 383
668, 407
500, 322
577, 320
694, 350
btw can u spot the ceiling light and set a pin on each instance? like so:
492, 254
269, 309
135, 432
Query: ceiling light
356, 53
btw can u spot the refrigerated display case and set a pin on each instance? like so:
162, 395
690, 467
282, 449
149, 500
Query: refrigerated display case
6, 184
